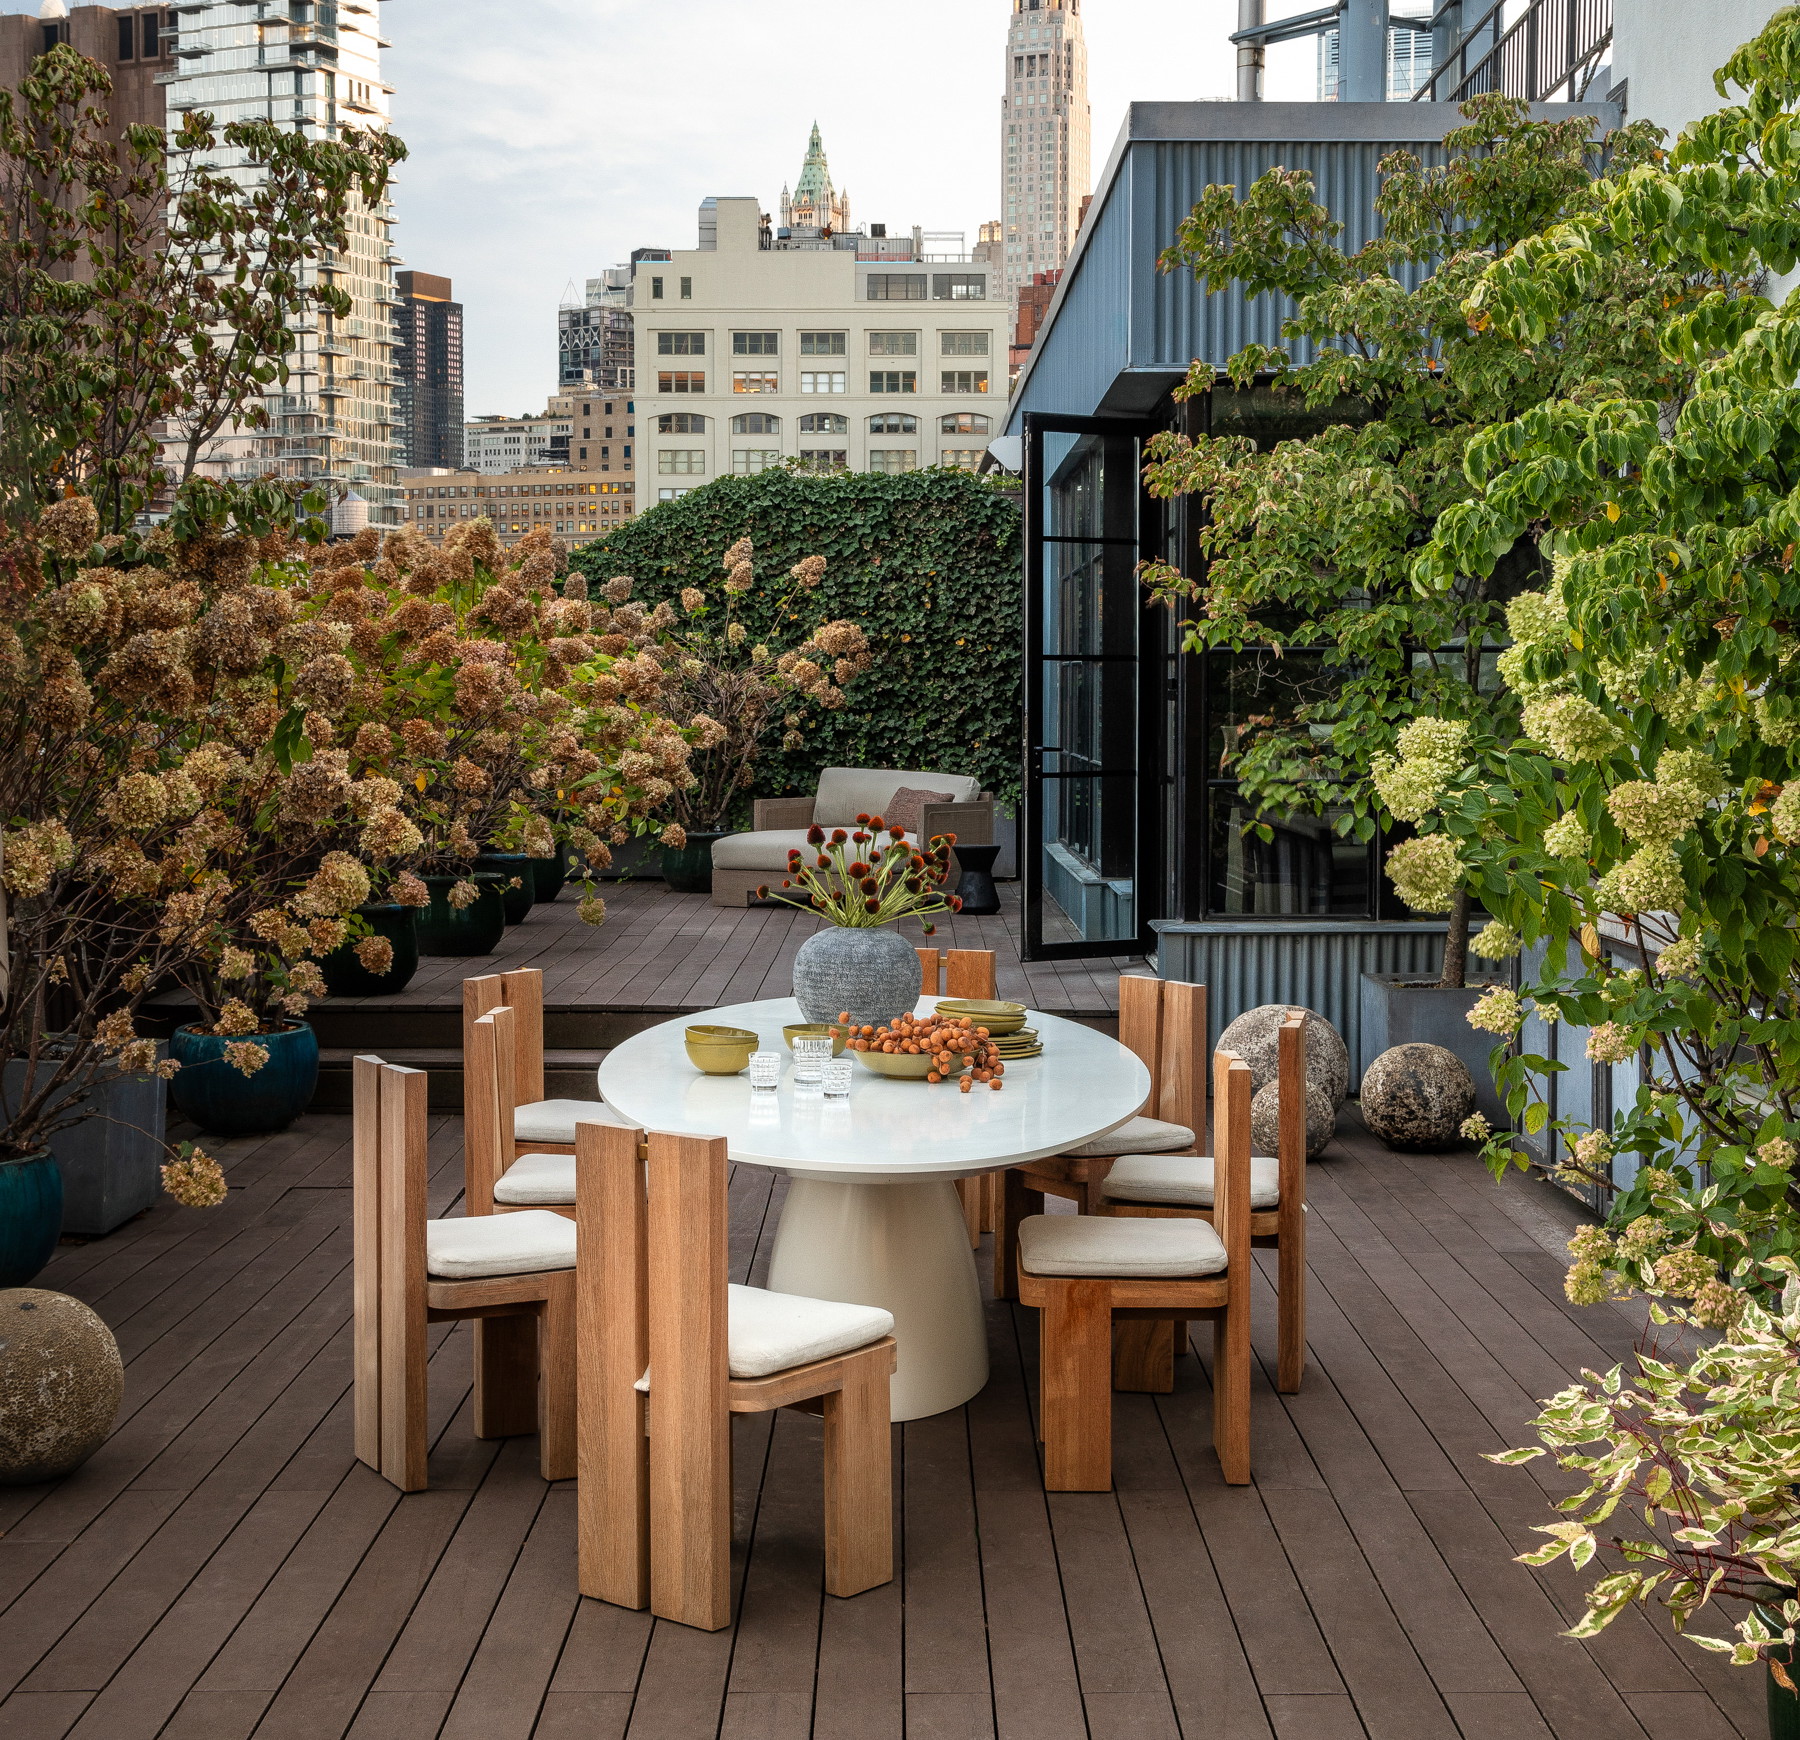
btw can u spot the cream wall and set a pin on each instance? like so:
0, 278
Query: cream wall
1668, 50
739, 287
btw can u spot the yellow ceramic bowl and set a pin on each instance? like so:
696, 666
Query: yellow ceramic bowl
840, 1036
721, 1050
997, 1018
904, 1065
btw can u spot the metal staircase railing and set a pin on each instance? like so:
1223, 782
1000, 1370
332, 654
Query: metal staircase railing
1551, 52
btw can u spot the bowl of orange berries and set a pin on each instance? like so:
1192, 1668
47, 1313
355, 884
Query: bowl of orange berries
929, 1048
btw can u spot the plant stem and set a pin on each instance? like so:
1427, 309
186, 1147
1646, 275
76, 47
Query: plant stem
1456, 944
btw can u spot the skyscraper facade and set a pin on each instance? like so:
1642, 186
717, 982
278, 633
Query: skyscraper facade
428, 370
313, 66
1046, 138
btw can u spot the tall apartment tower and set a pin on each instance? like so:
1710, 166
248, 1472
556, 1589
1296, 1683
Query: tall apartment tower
428, 371
1046, 138
313, 66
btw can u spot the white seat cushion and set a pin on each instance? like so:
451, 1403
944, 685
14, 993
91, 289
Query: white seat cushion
765, 850
848, 792
771, 1332
555, 1120
1185, 1180
1087, 1244
1137, 1136
499, 1244
538, 1178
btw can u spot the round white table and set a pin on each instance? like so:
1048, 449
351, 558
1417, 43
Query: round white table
870, 1215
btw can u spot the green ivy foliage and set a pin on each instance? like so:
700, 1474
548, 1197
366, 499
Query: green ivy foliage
926, 563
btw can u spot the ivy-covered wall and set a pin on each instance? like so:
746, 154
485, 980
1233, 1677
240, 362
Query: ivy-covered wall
926, 563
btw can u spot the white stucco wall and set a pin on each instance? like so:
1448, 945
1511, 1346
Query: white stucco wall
1668, 50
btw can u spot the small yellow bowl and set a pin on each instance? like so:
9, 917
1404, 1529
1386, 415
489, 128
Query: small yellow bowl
721, 1050
840, 1036
905, 1065
997, 1018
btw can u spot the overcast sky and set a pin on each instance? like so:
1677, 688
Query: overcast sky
551, 137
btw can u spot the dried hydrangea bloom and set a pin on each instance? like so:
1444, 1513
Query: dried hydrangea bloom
592, 910
409, 890
70, 527
337, 886
463, 894
375, 954
236, 964
617, 589
306, 978
236, 1017
674, 836
246, 1057
196, 1180
389, 833
809, 571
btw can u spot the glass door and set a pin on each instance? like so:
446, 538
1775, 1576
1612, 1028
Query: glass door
1090, 828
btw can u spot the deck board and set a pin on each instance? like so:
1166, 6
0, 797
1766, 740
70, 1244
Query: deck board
223, 1569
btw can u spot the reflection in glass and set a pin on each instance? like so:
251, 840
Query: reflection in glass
1305, 869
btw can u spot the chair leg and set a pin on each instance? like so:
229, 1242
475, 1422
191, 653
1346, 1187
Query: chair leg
859, 1481
506, 1376
1075, 1385
1231, 1395
1095, 1174
1017, 1201
558, 1446
1290, 1258
968, 1193
1144, 1355
991, 1189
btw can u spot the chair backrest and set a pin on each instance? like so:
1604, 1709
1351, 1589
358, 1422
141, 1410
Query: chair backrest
958, 973
388, 1246
521, 989
490, 1095
1164, 1022
1232, 1086
1290, 1073
847, 792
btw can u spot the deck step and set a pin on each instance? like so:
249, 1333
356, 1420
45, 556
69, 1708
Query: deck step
568, 1073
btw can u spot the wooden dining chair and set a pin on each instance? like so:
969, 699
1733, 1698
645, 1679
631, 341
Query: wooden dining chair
512, 1275
966, 973
1162, 1021
1086, 1273
657, 1314
1174, 1186
546, 1126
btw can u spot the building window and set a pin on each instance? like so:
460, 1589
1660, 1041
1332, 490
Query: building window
670, 494
893, 460
822, 381
756, 381
128, 38
748, 461
893, 344
896, 286
822, 344
959, 287
825, 458
965, 423
964, 381
681, 459
756, 344
656, 289
687, 289
680, 383
756, 423
681, 344
824, 423
893, 381
681, 423
893, 423
963, 344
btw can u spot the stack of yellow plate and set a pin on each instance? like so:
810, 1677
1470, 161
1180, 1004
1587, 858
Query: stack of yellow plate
997, 1018
1022, 1043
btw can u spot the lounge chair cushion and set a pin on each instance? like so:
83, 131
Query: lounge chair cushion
1137, 1136
765, 850
538, 1179
1185, 1180
1087, 1244
499, 1244
848, 792
555, 1120
770, 1332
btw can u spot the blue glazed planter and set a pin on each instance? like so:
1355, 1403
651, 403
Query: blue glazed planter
212, 1093
31, 1210
549, 874
476, 929
346, 976
511, 867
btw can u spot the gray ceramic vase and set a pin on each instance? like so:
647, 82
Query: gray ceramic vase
873, 973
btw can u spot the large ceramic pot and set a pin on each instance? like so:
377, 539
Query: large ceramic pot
688, 869
549, 874
474, 929
61, 1382
221, 1099
1420, 1012
346, 976
873, 973
518, 881
31, 1210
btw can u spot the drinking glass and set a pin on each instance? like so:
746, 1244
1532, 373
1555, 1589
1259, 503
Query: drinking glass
811, 1053
837, 1075
765, 1070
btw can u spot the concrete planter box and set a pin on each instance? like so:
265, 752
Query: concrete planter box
1398, 1011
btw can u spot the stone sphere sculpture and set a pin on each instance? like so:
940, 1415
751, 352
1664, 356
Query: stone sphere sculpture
1265, 1120
1416, 1096
61, 1381
1255, 1036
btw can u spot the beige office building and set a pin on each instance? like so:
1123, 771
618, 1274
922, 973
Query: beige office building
1046, 140
838, 349
576, 506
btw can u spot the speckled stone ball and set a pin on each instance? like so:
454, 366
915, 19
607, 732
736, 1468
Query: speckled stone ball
1265, 1120
61, 1381
1416, 1096
1256, 1037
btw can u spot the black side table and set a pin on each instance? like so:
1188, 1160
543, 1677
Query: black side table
976, 890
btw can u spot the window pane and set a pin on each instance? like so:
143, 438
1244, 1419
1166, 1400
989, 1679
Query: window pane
681, 344
824, 423
755, 423
893, 344
755, 343
893, 381
893, 459
958, 287
822, 344
821, 381
758, 382
1304, 869
893, 423
896, 286
964, 381
824, 458
963, 343
747, 461
681, 459
680, 383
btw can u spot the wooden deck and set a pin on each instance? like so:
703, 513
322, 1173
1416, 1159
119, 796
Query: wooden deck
223, 1568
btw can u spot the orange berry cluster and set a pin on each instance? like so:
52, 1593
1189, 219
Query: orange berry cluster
951, 1044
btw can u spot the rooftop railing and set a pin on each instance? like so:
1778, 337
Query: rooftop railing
1549, 53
